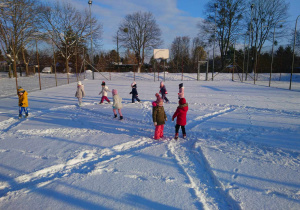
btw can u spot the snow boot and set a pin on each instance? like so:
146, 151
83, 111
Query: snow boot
121, 117
184, 136
176, 136
20, 116
115, 116
26, 115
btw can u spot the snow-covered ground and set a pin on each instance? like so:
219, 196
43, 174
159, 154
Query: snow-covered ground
242, 150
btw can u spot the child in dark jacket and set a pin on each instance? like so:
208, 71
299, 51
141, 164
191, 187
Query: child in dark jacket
180, 113
159, 117
163, 91
135, 95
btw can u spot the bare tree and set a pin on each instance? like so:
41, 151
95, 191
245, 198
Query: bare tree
68, 28
18, 20
267, 15
228, 15
142, 36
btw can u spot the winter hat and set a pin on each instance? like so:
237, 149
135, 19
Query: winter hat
154, 103
103, 83
180, 85
182, 101
79, 83
20, 90
114, 92
160, 102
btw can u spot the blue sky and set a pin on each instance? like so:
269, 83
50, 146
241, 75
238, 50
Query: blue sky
174, 17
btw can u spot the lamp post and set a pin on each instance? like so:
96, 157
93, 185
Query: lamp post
213, 68
273, 52
293, 53
90, 4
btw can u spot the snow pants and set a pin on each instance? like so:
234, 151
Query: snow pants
159, 132
182, 128
104, 98
164, 97
79, 101
135, 98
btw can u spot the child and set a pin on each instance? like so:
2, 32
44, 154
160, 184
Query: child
159, 117
163, 92
180, 113
80, 92
154, 103
134, 93
117, 104
104, 93
181, 91
23, 102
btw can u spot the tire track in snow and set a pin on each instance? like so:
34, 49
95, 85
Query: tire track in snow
83, 163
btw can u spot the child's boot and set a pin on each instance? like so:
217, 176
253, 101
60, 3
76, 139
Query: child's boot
176, 136
184, 136
116, 116
20, 116
121, 117
26, 115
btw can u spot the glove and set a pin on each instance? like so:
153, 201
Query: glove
155, 123
21, 104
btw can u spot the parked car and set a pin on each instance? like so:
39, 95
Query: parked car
47, 70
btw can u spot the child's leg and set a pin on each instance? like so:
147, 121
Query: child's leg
26, 110
102, 99
105, 97
20, 110
137, 98
183, 130
177, 128
166, 99
115, 112
133, 99
156, 133
79, 101
120, 113
162, 131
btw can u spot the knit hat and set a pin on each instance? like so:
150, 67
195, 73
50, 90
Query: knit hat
20, 90
182, 101
114, 92
103, 83
180, 85
160, 102
79, 83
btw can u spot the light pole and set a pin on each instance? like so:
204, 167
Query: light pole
213, 68
273, 52
90, 4
293, 53
252, 6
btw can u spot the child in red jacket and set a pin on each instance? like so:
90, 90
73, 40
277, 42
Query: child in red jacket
180, 113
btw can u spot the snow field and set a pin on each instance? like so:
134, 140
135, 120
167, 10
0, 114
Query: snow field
242, 150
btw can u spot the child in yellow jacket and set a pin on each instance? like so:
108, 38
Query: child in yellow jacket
23, 102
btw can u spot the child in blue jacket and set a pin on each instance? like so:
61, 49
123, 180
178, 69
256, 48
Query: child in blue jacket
135, 95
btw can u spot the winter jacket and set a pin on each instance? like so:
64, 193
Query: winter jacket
23, 99
159, 116
181, 93
117, 104
180, 113
134, 92
80, 91
163, 90
104, 91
